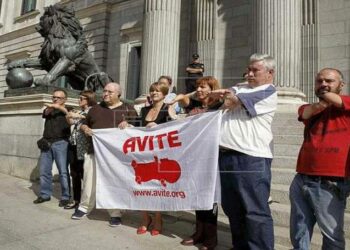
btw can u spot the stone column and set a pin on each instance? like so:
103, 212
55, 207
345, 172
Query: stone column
160, 42
277, 32
204, 41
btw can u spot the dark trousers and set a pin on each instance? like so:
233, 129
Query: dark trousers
190, 85
245, 190
76, 171
208, 216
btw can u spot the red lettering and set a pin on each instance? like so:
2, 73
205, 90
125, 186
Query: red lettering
151, 146
147, 142
160, 140
173, 136
129, 144
141, 145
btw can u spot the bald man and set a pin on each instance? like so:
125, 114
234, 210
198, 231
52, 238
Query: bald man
319, 190
110, 113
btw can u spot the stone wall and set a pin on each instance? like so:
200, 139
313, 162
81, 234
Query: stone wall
234, 40
334, 19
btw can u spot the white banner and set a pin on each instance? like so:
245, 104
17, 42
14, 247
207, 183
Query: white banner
170, 167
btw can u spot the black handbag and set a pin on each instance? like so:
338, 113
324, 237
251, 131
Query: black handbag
43, 144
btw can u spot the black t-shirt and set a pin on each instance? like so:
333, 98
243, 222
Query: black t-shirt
162, 117
196, 66
56, 126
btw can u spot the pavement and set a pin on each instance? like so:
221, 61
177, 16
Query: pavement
24, 225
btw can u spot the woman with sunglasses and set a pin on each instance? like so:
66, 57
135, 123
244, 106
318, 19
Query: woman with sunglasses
195, 103
78, 144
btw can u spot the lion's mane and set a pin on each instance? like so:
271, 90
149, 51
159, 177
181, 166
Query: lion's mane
59, 23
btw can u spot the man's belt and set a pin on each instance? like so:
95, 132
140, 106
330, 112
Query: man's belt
326, 178
226, 150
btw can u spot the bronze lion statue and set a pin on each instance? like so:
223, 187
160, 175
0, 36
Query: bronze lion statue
64, 51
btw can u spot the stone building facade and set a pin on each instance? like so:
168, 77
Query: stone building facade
135, 41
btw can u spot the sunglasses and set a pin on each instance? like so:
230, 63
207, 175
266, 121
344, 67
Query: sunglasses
58, 97
82, 98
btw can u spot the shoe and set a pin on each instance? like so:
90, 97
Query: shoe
188, 242
155, 232
197, 237
72, 205
211, 237
63, 203
270, 200
115, 221
78, 215
41, 200
144, 229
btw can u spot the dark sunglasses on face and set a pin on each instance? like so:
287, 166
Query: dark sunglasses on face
82, 98
58, 97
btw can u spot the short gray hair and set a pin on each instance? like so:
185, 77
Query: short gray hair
268, 61
116, 86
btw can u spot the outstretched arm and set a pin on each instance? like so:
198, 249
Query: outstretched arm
182, 99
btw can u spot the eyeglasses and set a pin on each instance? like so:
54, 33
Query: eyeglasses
58, 97
82, 98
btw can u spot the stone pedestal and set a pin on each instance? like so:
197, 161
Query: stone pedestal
277, 32
21, 125
160, 42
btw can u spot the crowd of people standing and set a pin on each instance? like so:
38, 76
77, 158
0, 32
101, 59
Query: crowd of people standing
318, 192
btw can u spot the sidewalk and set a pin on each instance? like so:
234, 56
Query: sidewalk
24, 225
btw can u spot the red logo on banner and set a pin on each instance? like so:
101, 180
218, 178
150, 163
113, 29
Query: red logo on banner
164, 170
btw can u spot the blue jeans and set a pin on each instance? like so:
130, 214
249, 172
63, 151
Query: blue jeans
245, 190
57, 152
314, 199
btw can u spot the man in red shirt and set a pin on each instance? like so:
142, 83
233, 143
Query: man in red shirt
319, 190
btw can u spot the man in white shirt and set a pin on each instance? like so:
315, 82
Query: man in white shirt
246, 155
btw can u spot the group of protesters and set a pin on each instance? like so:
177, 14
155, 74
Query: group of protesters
318, 192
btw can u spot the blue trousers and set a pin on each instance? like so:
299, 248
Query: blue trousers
245, 190
316, 199
57, 153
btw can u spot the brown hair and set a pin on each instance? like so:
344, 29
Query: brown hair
168, 78
211, 81
159, 86
90, 96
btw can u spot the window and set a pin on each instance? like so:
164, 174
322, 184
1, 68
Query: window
28, 6
134, 71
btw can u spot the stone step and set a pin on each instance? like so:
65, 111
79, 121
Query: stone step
287, 150
287, 139
282, 175
290, 130
282, 240
284, 162
280, 195
288, 121
286, 116
281, 216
